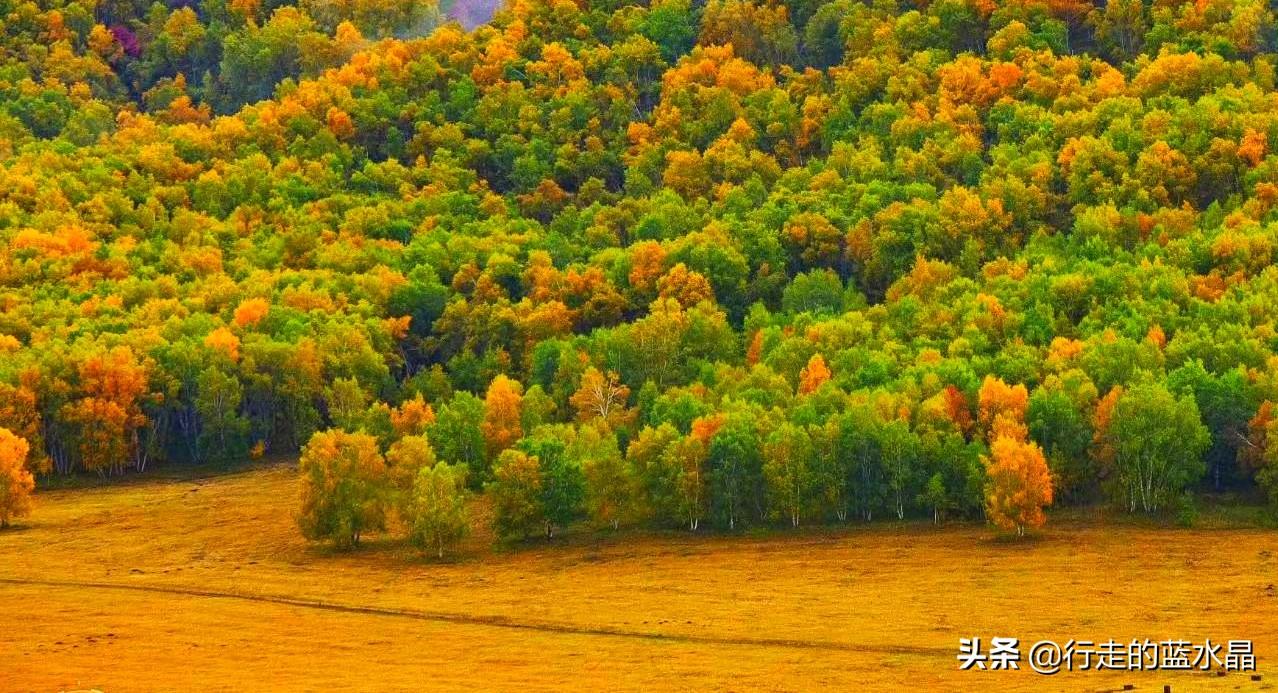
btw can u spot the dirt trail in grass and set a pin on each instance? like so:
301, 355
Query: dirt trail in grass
481, 620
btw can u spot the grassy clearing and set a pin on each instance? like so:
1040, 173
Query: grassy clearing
224, 594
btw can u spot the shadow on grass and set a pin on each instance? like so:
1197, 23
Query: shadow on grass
1012, 541
161, 473
396, 549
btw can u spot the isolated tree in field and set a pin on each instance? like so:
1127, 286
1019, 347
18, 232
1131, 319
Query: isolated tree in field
1018, 485
502, 425
1157, 442
436, 515
345, 490
516, 494
16, 483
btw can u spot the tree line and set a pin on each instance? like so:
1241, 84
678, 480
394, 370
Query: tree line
836, 457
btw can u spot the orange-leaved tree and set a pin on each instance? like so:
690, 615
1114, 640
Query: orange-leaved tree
16, 483
109, 414
1002, 409
813, 375
251, 311
1018, 485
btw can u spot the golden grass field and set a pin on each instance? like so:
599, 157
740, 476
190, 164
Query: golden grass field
205, 584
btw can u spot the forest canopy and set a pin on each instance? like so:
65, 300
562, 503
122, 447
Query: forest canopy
735, 262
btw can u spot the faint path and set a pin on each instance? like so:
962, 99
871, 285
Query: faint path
492, 621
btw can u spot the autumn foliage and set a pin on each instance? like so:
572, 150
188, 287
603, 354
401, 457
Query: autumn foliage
1019, 485
344, 492
16, 482
813, 375
809, 262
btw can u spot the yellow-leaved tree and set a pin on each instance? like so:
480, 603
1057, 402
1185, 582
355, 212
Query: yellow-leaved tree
813, 375
502, 405
345, 487
16, 483
601, 397
1018, 485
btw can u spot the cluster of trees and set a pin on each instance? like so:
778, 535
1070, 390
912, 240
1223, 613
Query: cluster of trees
725, 458
746, 261
70, 65
349, 488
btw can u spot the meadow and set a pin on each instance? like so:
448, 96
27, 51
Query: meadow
188, 583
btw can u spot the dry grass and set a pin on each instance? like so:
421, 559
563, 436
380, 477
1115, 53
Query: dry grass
224, 595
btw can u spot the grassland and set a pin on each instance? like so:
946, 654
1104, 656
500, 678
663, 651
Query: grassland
204, 584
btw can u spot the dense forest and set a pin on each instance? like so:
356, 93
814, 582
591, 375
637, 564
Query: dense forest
677, 263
